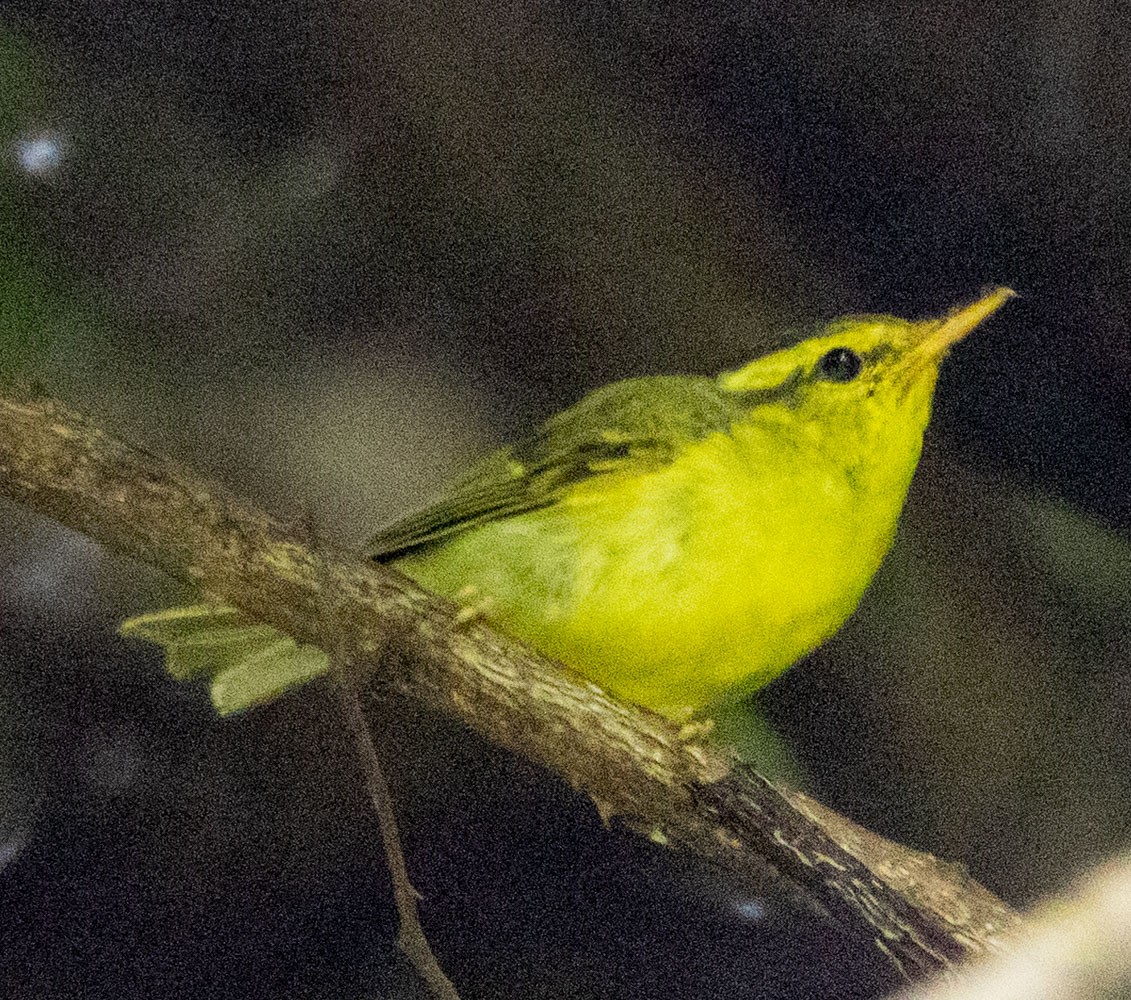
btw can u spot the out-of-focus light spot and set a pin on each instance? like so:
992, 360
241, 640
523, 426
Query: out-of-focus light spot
12, 844
751, 910
40, 155
52, 571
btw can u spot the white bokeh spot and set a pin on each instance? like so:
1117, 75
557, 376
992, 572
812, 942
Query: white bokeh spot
39, 155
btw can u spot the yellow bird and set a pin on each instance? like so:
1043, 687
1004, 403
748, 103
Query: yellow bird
680, 541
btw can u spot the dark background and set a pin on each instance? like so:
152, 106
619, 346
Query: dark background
329, 252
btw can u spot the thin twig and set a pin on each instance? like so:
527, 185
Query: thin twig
410, 937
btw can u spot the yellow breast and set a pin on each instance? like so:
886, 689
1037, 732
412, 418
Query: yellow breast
679, 587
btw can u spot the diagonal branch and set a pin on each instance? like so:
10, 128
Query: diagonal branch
922, 913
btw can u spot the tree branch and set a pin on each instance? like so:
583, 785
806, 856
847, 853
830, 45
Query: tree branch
1074, 947
922, 913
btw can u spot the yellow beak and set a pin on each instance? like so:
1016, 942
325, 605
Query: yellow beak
939, 335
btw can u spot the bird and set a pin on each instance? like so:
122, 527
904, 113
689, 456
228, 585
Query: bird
680, 541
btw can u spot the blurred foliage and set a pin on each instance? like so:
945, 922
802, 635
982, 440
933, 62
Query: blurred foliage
329, 254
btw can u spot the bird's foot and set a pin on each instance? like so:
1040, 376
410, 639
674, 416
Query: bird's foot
474, 606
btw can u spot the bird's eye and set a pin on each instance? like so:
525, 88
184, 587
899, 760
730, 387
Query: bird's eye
839, 365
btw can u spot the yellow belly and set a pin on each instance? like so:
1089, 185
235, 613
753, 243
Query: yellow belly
678, 588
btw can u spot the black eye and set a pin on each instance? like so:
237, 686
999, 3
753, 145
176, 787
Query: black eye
839, 365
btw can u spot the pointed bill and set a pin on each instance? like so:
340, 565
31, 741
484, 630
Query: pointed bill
940, 335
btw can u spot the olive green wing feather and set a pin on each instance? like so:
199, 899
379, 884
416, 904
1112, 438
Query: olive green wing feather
627, 428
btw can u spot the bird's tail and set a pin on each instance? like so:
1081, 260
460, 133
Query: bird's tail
245, 662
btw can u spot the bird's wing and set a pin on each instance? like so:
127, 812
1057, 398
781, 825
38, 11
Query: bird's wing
626, 428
